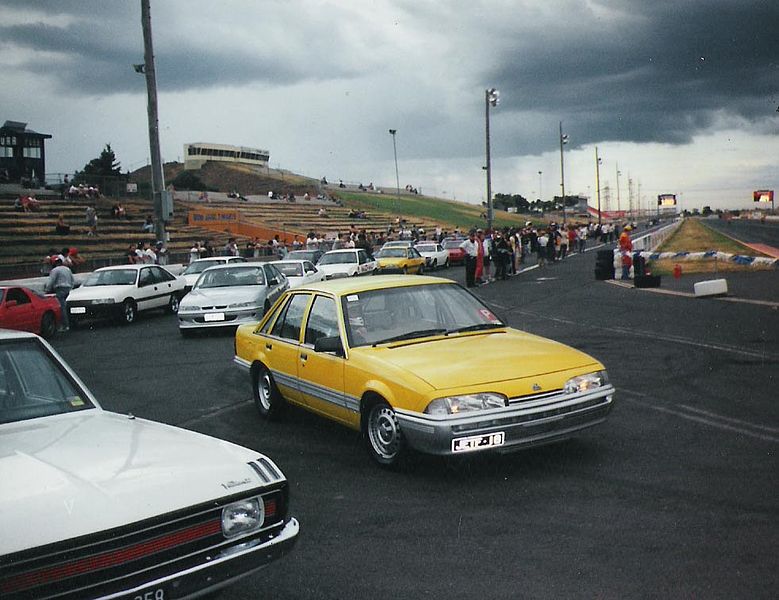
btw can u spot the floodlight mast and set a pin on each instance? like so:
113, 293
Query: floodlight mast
393, 132
491, 98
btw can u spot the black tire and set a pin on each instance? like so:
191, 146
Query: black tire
604, 274
173, 304
48, 325
129, 312
267, 398
446, 264
421, 270
382, 435
434, 266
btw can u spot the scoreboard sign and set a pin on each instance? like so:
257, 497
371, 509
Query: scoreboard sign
763, 196
666, 200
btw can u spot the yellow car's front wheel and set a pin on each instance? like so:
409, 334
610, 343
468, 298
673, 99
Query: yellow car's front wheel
382, 434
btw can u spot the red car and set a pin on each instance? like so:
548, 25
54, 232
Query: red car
456, 254
26, 310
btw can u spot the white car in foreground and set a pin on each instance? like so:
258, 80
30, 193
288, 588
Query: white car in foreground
349, 262
96, 504
299, 272
123, 291
435, 254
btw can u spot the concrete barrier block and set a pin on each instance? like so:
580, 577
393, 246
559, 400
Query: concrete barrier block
713, 287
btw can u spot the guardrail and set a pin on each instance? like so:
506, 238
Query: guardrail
651, 240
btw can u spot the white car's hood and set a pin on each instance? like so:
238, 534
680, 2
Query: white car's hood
338, 268
94, 470
224, 296
191, 278
94, 292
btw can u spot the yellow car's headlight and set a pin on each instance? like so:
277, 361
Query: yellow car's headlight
453, 405
586, 383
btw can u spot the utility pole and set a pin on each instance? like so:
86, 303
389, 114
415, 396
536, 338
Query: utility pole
563, 141
618, 174
157, 177
597, 181
392, 132
491, 98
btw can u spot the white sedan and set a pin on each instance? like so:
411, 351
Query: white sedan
350, 262
95, 504
435, 254
196, 267
123, 291
299, 272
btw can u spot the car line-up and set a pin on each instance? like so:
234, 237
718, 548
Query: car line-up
410, 362
96, 504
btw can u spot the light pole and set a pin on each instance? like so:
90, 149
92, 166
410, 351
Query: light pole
491, 98
397, 176
540, 193
618, 174
563, 141
162, 206
597, 181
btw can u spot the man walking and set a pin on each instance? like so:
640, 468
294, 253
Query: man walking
61, 282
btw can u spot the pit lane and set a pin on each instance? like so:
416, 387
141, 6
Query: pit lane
674, 496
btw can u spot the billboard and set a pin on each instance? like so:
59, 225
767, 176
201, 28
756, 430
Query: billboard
666, 200
763, 196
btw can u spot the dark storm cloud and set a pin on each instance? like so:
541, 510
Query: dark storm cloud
662, 74
96, 48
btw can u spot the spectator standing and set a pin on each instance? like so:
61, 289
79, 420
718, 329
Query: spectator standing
541, 245
194, 252
91, 220
60, 282
573, 238
469, 246
231, 248
502, 256
162, 253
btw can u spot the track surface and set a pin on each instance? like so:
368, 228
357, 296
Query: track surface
675, 496
747, 231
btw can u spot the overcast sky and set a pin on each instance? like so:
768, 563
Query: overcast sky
682, 94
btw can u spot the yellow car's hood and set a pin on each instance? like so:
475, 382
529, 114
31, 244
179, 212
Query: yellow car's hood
476, 359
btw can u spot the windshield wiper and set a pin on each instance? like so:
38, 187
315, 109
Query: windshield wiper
410, 335
476, 327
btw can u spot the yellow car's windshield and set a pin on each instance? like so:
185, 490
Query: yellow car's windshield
391, 314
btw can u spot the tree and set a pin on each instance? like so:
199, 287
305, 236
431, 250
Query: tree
104, 165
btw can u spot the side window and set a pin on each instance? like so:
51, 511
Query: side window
362, 258
162, 274
146, 278
308, 267
322, 320
274, 319
18, 295
288, 325
270, 273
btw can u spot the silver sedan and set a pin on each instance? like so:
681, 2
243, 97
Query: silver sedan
229, 295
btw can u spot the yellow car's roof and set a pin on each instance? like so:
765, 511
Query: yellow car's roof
356, 285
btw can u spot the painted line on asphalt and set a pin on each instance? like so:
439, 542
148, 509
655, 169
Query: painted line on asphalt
212, 413
652, 335
730, 419
716, 421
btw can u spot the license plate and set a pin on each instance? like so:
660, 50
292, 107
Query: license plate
151, 594
478, 442
78, 310
214, 317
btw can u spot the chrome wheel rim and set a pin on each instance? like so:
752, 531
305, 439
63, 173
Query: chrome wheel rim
264, 391
174, 303
384, 432
129, 313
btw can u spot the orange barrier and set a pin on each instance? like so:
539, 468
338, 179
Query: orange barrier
230, 220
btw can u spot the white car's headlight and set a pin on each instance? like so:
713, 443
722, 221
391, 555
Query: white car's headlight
242, 517
103, 301
242, 305
585, 383
458, 404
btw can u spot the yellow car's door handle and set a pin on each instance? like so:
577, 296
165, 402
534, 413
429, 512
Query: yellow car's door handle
269, 346
304, 356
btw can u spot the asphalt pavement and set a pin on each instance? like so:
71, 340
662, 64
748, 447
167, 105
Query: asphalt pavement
675, 496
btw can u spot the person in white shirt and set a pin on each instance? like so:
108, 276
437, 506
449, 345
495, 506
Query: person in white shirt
470, 247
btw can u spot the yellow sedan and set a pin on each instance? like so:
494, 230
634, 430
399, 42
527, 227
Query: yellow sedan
400, 260
418, 363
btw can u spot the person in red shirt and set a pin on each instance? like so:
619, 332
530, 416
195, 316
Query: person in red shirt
625, 244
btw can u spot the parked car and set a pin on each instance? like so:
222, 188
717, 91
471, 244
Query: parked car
398, 244
435, 255
26, 310
228, 295
96, 504
456, 254
299, 272
397, 259
123, 291
196, 267
349, 262
418, 363
310, 255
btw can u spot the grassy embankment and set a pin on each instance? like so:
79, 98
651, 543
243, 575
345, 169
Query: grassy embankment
446, 212
694, 236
